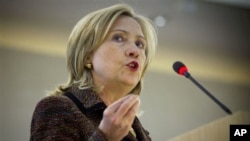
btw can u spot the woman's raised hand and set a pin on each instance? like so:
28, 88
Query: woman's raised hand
119, 116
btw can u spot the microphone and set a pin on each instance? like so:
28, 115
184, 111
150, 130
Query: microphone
181, 69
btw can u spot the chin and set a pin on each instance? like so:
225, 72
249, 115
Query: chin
132, 84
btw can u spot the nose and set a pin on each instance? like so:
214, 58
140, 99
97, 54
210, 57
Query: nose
132, 51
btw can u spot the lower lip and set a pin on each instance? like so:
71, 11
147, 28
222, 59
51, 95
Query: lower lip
133, 68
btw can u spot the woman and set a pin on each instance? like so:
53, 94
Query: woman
107, 55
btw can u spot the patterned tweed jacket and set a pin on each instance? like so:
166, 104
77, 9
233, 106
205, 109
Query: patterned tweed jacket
58, 118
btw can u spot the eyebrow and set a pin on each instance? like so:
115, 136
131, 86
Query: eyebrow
139, 36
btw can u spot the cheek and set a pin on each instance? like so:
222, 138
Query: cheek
104, 60
143, 59
98, 59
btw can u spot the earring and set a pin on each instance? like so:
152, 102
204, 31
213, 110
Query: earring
89, 66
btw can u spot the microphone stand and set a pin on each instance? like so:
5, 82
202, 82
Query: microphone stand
188, 75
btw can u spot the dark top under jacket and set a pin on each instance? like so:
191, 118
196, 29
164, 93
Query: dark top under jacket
58, 118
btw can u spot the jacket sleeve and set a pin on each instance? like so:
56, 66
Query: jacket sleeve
56, 119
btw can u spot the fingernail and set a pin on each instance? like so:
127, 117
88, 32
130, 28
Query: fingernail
136, 97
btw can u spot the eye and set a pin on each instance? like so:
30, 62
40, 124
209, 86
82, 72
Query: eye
117, 38
140, 44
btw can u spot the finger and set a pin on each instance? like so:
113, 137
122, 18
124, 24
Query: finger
130, 115
115, 106
127, 105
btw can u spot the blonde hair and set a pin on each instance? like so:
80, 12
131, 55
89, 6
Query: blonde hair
89, 33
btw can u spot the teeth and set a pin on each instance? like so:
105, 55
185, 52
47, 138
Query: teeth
132, 65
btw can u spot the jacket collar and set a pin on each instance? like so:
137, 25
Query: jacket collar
88, 97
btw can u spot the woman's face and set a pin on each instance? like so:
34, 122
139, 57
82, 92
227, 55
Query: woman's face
121, 58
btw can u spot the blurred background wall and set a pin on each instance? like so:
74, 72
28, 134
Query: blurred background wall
211, 37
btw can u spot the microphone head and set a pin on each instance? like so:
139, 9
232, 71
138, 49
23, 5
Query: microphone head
180, 68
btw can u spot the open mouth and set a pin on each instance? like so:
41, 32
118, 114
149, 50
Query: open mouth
133, 65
